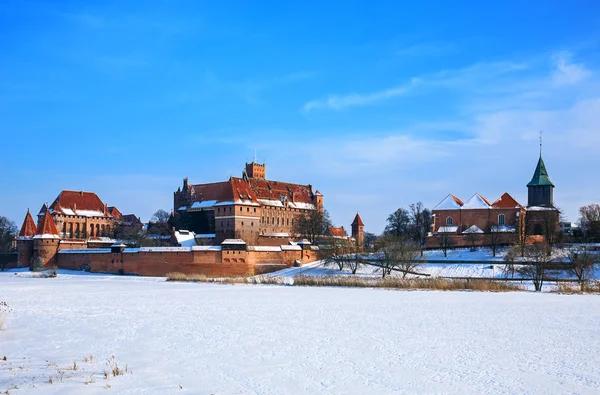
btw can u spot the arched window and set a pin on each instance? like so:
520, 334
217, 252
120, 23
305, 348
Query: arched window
501, 219
91, 230
449, 221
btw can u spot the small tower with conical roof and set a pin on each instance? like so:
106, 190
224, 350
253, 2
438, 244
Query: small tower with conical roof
540, 190
25, 241
45, 243
358, 231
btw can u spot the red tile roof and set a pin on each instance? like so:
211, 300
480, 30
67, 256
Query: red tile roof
457, 200
28, 229
337, 232
47, 225
77, 200
251, 189
43, 209
506, 201
114, 212
357, 221
274, 190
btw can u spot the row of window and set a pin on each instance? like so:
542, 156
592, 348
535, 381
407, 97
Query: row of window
71, 229
500, 220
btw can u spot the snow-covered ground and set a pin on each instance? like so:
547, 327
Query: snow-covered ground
224, 339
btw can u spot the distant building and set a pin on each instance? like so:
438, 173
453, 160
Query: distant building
81, 215
505, 215
250, 207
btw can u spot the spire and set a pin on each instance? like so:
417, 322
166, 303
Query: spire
28, 229
47, 228
357, 221
540, 143
540, 176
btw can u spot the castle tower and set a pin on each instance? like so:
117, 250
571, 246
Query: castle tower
318, 200
25, 241
256, 170
45, 243
358, 231
540, 190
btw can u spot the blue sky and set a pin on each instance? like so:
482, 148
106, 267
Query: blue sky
376, 104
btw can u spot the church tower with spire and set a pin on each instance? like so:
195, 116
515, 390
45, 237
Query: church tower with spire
540, 190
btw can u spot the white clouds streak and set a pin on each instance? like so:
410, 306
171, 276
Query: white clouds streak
339, 102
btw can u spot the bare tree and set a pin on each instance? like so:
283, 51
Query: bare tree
589, 220
520, 235
511, 261
581, 265
408, 257
493, 237
8, 231
397, 253
398, 223
445, 242
311, 225
420, 224
340, 252
536, 262
472, 238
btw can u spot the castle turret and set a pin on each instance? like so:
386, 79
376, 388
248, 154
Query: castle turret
25, 241
318, 200
45, 243
358, 231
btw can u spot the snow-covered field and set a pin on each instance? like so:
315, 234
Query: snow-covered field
223, 339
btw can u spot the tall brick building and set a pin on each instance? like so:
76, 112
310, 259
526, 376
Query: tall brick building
81, 215
505, 215
248, 207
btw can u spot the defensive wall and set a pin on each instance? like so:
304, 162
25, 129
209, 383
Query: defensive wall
229, 259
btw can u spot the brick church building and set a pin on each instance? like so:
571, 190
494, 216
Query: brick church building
505, 216
250, 207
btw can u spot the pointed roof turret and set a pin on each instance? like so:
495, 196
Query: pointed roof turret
46, 228
43, 210
540, 176
28, 229
357, 221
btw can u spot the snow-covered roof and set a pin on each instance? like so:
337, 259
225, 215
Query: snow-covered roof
447, 229
206, 236
86, 251
476, 202
264, 248
203, 204
46, 236
185, 238
301, 205
291, 248
276, 234
540, 208
233, 241
473, 229
503, 229
276, 203
450, 202
206, 248
165, 249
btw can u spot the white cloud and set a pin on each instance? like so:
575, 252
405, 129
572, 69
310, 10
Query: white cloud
566, 72
337, 102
